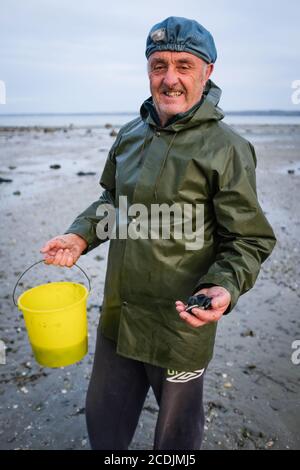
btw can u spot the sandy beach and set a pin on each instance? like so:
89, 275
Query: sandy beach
252, 386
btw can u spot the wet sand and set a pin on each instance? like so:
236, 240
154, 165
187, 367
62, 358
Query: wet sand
252, 386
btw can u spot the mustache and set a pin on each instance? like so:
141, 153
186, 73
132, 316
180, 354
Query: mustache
171, 90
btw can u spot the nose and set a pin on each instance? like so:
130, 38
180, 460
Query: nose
170, 78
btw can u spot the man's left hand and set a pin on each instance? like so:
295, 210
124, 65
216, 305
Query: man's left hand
220, 301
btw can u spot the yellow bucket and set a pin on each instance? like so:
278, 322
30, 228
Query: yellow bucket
56, 321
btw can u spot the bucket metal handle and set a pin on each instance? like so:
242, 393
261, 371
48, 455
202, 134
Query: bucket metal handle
42, 261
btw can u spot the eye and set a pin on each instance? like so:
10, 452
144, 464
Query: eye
158, 68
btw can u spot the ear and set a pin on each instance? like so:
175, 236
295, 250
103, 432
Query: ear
209, 71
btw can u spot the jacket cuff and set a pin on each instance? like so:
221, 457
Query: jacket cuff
210, 280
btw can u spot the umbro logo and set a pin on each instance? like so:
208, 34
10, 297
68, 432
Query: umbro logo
181, 377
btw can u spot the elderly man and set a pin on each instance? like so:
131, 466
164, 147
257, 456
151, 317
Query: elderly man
177, 152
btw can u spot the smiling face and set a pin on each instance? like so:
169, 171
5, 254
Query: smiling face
177, 81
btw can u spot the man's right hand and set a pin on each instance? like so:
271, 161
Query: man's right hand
63, 250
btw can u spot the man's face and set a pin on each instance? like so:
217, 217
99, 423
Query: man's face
177, 81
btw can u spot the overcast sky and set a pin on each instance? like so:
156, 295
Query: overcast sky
88, 56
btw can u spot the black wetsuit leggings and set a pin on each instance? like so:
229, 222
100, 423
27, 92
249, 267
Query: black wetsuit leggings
116, 394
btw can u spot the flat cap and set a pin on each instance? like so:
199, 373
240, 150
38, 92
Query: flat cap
181, 35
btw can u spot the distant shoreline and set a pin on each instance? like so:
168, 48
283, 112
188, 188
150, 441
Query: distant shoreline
116, 120
52, 129
272, 112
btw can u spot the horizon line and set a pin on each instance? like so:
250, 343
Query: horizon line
110, 113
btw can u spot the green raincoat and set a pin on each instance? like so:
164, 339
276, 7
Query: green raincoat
194, 159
